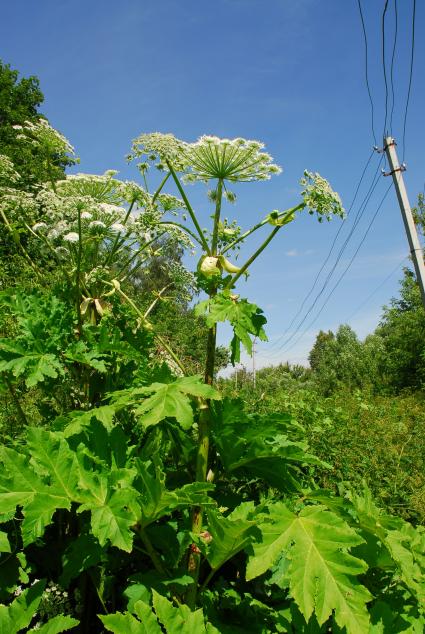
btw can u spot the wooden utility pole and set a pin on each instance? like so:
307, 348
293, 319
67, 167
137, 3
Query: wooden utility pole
396, 171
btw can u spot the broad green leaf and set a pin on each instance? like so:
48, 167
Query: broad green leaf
157, 500
231, 534
262, 446
82, 419
142, 584
322, 574
57, 624
4, 543
125, 624
19, 614
163, 400
79, 352
177, 620
246, 319
83, 553
35, 366
112, 514
21, 486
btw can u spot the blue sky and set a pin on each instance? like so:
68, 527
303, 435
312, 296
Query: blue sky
290, 74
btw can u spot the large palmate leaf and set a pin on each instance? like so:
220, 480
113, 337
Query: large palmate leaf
157, 500
321, 572
33, 365
162, 400
245, 318
57, 624
17, 616
38, 496
56, 476
231, 534
390, 542
175, 620
267, 447
112, 513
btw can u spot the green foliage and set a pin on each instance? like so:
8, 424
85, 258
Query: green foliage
246, 319
166, 400
173, 619
321, 572
19, 614
158, 505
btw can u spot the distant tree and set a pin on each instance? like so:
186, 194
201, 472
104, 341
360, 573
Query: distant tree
402, 330
19, 103
337, 359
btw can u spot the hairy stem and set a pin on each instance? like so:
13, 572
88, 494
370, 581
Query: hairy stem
20, 411
78, 273
204, 422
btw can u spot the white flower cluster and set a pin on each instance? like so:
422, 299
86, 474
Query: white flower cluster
18, 205
237, 160
41, 133
162, 148
319, 197
8, 174
101, 188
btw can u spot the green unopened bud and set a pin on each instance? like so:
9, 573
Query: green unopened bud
208, 265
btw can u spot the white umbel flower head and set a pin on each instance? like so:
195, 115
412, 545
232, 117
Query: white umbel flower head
162, 148
236, 160
71, 237
117, 227
86, 215
39, 226
319, 197
97, 224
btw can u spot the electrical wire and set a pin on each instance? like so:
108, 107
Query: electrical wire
326, 260
392, 65
343, 273
410, 78
384, 132
366, 70
373, 293
357, 219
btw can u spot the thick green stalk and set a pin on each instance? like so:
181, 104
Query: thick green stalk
219, 194
161, 185
204, 422
78, 273
19, 410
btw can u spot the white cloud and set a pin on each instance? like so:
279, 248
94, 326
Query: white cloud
292, 253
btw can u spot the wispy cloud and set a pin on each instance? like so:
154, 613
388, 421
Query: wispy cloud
292, 253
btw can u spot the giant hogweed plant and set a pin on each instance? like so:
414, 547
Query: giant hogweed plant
152, 502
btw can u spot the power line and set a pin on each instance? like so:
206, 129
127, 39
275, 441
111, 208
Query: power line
392, 64
357, 219
369, 297
366, 69
410, 77
329, 252
384, 67
344, 272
